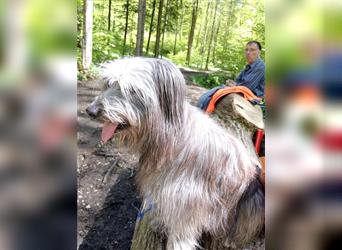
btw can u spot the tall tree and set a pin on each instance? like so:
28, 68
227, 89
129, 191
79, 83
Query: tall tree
176, 31
211, 35
205, 34
87, 34
181, 21
229, 23
151, 27
140, 27
215, 37
205, 24
126, 28
192, 30
166, 16
132, 33
224, 38
160, 13
231, 10
109, 14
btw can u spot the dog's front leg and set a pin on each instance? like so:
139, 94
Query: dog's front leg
175, 243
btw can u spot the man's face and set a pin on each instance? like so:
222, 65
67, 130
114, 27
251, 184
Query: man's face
252, 52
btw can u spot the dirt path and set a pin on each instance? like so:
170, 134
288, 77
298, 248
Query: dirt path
107, 199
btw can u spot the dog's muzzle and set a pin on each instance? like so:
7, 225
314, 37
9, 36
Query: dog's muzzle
93, 111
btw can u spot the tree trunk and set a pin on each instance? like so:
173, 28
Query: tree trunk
241, 119
205, 36
140, 28
177, 28
229, 17
176, 32
126, 28
230, 14
205, 25
160, 13
192, 31
132, 34
151, 27
215, 38
227, 28
181, 21
211, 35
109, 14
80, 23
87, 34
145, 238
166, 16
205, 28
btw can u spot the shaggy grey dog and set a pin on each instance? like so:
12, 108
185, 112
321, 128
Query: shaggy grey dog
199, 178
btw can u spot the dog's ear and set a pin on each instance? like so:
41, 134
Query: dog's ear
170, 90
153, 81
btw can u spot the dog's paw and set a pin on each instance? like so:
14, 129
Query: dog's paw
230, 245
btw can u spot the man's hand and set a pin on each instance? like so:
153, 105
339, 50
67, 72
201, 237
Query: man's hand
230, 83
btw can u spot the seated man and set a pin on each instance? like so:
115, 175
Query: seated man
253, 76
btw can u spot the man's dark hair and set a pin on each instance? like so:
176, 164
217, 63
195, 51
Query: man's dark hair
256, 42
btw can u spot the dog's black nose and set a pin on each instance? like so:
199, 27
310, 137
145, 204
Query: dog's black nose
93, 111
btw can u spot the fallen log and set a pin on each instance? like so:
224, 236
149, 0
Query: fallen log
241, 119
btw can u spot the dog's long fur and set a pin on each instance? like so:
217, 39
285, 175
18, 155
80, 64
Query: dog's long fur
199, 177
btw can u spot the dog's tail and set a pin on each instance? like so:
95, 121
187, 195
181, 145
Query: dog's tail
249, 221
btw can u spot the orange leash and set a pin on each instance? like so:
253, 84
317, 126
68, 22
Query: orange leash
258, 139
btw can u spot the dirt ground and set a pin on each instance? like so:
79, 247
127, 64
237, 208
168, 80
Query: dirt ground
107, 198
108, 201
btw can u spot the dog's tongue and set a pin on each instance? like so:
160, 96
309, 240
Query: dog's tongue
108, 131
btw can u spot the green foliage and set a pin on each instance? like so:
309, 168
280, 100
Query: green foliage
211, 80
91, 73
49, 38
237, 22
178, 58
105, 47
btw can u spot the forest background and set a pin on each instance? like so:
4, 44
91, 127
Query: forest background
198, 34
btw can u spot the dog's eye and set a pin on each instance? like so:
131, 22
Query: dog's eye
104, 85
112, 84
